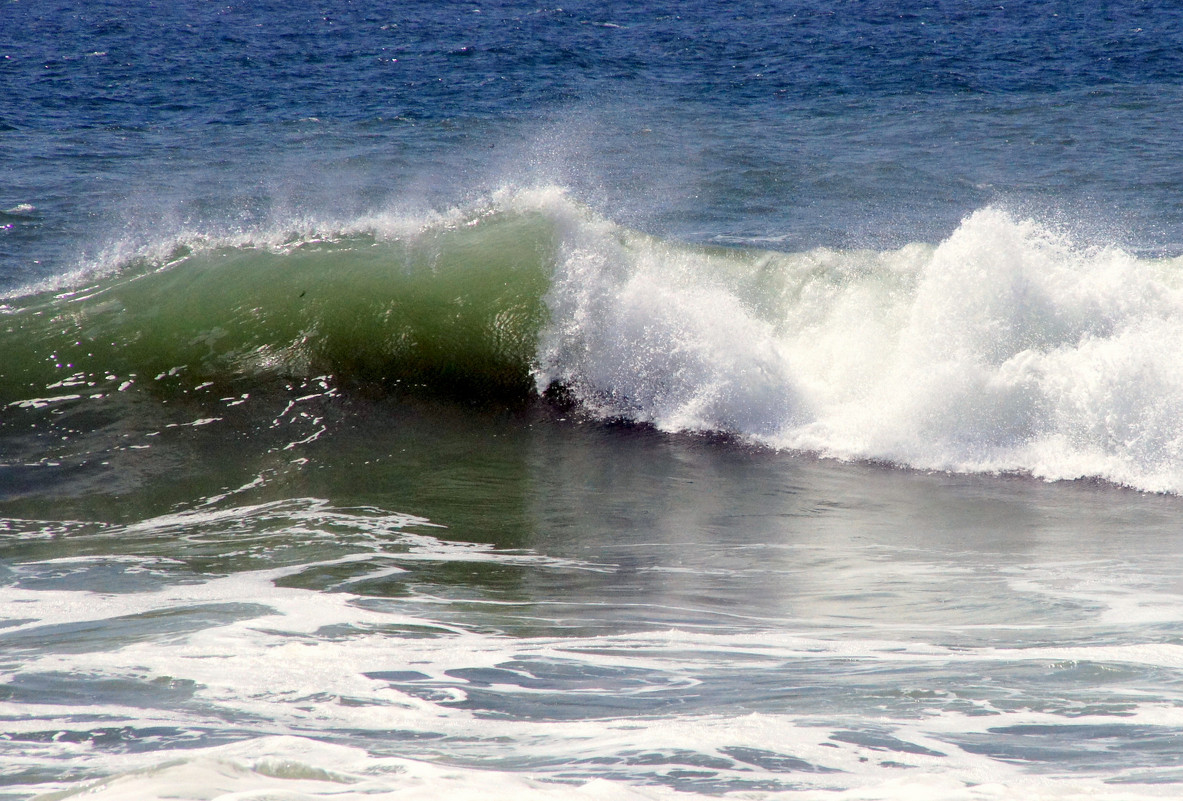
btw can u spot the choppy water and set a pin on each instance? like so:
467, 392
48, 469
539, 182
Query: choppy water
415, 400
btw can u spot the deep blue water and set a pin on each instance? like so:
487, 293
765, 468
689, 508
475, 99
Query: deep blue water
867, 123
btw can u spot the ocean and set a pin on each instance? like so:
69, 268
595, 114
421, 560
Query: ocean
769, 400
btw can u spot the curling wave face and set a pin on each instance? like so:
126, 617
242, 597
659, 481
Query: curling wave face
452, 303
1006, 348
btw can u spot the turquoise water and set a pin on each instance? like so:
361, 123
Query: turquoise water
496, 401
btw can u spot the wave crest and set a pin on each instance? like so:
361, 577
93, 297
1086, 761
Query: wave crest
1007, 347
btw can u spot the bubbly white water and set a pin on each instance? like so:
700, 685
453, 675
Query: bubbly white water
1005, 348
883, 671
290, 769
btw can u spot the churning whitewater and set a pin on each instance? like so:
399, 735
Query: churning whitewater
1007, 348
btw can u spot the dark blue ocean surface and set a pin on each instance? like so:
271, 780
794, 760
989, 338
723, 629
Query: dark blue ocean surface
868, 123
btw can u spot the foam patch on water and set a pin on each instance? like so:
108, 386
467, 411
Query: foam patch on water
251, 685
294, 768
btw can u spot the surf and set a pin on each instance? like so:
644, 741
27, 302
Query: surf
1008, 347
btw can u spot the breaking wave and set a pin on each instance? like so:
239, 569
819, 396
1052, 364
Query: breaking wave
1008, 347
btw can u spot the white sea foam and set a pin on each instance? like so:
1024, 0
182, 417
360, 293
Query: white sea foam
331, 694
295, 769
291, 769
1005, 348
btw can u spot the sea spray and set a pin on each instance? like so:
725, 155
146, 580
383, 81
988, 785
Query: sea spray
1006, 348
